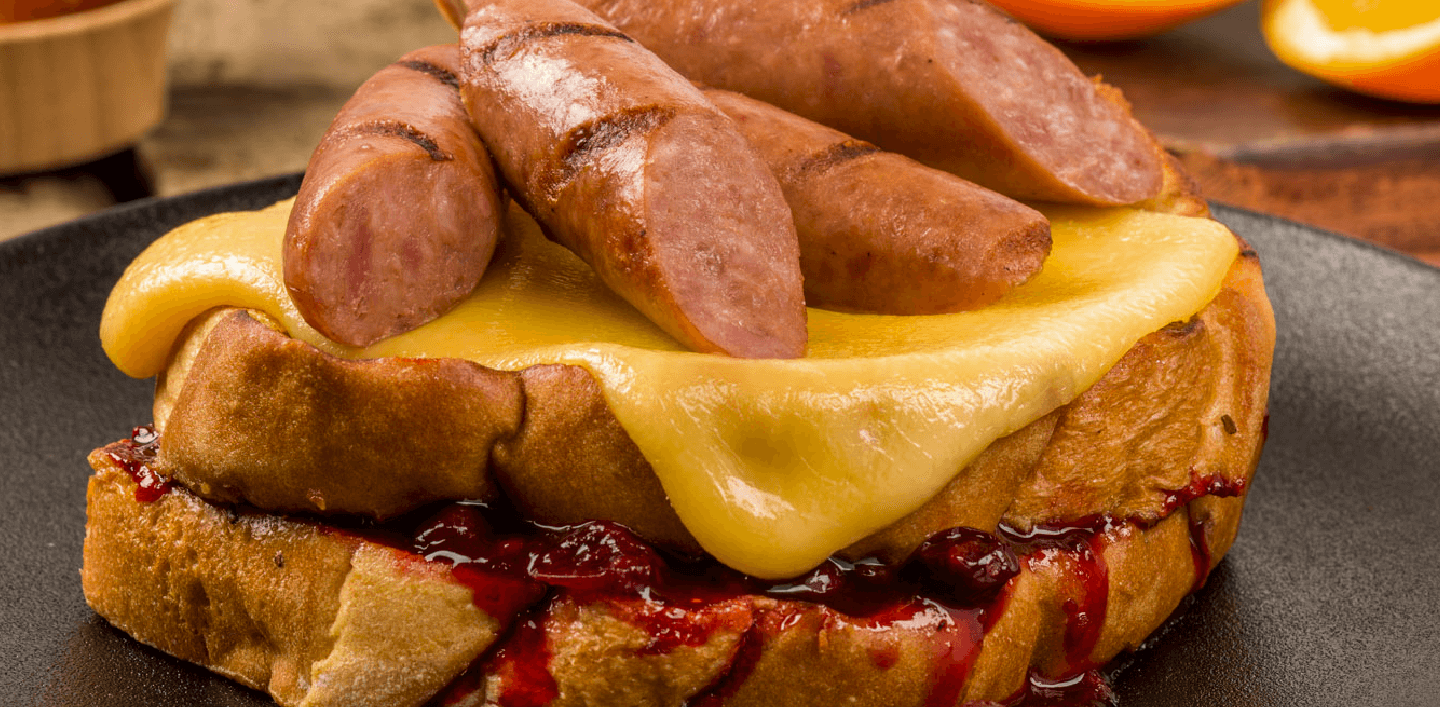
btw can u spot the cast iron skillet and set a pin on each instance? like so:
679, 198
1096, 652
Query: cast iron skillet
1331, 596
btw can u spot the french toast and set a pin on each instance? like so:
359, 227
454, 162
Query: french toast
540, 497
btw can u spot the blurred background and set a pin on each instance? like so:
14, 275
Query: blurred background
252, 84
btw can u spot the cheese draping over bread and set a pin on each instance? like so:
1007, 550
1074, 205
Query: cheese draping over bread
771, 464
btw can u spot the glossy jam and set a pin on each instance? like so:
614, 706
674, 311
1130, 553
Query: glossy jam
513, 566
135, 455
956, 582
1200, 486
1199, 553
742, 664
523, 666
1087, 689
953, 587
600, 559
1208, 485
965, 563
1079, 546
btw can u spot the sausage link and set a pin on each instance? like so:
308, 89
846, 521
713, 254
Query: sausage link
624, 162
883, 233
952, 83
400, 208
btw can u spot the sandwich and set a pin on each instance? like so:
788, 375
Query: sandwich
615, 459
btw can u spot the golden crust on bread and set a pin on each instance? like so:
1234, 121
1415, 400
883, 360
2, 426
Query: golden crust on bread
262, 399
569, 446
318, 617
311, 616
269, 420
1110, 454
1186, 405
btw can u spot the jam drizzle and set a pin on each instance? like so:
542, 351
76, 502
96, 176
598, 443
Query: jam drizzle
1199, 552
1200, 486
742, 663
956, 582
683, 603
523, 665
1081, 546
1085, 689
135, 455
957, 644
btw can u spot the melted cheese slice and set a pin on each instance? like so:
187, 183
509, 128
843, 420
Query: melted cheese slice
771, 464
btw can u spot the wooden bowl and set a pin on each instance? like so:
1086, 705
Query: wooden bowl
80, 86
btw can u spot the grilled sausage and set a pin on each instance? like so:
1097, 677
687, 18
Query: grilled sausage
952, 83
624, 162
883, 233
400, 208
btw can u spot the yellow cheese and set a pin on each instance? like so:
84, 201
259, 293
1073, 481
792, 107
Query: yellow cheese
771, 464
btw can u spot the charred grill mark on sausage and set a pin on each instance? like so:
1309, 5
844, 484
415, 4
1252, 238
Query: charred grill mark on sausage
541, 30
833, 155
863, 5
584, 142
440, 73
395, 128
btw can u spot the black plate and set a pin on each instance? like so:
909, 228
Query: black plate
1330, 597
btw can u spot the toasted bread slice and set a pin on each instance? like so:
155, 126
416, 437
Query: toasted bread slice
316, 615
252, 416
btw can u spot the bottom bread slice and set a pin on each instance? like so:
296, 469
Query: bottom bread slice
318, 615
310, 616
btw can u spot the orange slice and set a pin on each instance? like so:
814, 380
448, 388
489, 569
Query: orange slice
1384, 48
1107, 19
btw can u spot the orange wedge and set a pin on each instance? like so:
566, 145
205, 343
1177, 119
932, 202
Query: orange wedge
1384, 48
1107, 19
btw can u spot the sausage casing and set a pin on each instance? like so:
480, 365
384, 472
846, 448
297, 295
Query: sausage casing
624, 162
952, 83
399, 210
883, 233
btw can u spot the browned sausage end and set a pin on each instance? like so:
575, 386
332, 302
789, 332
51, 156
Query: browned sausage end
399, 210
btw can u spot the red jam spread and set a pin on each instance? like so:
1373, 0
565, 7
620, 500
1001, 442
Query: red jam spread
135, 455
955, 581
954, 587
682, 602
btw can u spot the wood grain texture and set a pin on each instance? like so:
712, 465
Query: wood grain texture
77, 87
1257, 134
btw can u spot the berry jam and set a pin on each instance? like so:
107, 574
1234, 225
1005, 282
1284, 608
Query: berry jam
1087, 689
955, 581
513, 566
523, 666
963, 567
1208, 485
135, 455
966, 564
1200, 486
952, 589
1081, 547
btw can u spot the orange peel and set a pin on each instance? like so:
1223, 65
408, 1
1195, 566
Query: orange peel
1107, 19
1388, 49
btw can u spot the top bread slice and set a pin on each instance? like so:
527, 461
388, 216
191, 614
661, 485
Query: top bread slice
250, 415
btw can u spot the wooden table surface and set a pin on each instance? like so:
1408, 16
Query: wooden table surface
1257, 134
